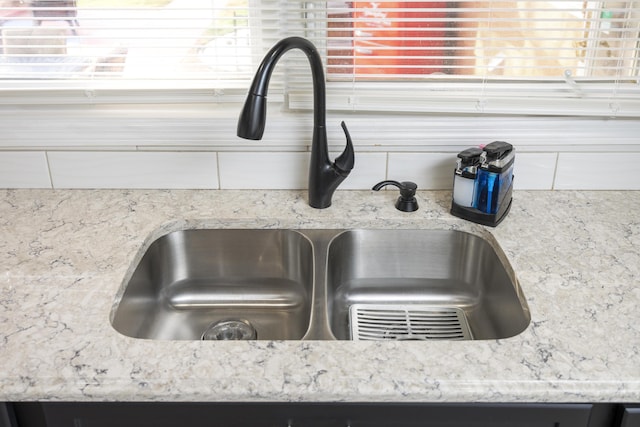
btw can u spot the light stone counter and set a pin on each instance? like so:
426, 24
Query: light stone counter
64, 255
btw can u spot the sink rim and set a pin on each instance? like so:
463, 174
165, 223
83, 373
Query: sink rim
319, 239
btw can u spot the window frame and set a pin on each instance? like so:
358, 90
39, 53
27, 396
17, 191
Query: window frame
201, 115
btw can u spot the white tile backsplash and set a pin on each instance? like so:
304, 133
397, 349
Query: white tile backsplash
290, 170
597, 171
369, 169
431, 171
134, 169
534, 171
263, 170
434, 171
24, 169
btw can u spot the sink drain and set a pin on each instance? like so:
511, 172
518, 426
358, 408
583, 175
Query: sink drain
228, 330
407, 322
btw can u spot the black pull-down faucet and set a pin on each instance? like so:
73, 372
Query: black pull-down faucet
324, 175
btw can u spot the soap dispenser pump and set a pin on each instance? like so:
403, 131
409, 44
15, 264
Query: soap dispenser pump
407, 201
465, 176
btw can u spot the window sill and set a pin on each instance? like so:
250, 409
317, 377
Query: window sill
206, 126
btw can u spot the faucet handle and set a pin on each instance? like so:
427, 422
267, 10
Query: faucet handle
407, 201
345, 161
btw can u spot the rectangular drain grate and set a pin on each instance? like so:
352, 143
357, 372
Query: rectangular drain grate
407, 322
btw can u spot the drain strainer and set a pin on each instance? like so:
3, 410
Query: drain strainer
407, 322
227, 330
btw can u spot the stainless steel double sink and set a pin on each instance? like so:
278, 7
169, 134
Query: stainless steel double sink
323, 284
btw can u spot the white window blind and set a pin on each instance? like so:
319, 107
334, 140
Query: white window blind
518, 57
522, 57
178, 40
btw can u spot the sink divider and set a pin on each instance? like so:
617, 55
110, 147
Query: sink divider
319, 328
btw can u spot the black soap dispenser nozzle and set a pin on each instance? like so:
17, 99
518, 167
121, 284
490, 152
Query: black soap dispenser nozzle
407, 201
469, 158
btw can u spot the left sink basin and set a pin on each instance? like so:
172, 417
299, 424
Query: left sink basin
222, 282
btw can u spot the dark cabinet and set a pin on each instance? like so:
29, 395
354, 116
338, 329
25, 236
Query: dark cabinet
309, 415
7, 418
630, 416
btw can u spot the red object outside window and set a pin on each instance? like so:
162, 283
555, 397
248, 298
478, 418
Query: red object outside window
399, 41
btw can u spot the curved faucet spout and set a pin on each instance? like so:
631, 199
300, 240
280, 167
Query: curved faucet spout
324, 175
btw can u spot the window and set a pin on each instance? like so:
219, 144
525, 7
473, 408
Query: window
492, 39
527, 57
522, 57
123, 39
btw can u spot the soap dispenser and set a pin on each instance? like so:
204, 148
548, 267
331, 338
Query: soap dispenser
492, 186
465, 176
495, 177
407, 201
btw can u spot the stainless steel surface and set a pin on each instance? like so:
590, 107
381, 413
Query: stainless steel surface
189, 279
300, 284
438, 268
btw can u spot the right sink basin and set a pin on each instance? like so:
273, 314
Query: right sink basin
420, 284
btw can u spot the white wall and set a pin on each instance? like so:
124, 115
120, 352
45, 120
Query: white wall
186, 147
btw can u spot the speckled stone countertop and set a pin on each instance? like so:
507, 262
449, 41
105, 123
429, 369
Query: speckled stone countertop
64, 255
